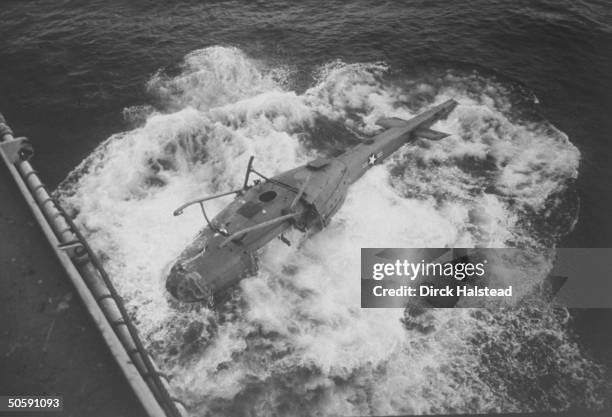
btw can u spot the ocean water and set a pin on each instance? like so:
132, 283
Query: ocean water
147, 105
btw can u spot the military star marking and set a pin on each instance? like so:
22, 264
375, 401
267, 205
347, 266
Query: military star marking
372, 159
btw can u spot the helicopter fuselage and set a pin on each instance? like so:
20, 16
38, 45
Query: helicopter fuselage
305, 197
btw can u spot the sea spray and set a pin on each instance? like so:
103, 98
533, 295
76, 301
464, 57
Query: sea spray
293, 340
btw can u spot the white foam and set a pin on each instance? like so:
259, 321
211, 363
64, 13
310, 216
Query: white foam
298, 343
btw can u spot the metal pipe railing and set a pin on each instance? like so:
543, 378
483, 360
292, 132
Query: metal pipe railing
91, 281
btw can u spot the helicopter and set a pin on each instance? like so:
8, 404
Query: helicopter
305, 198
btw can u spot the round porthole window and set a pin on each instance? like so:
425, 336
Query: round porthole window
267, 196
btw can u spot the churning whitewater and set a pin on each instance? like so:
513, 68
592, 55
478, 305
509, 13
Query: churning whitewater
293, 339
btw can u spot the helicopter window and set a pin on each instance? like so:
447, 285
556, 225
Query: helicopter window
267, 196
249, 209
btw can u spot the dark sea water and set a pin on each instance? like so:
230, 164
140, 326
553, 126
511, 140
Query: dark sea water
288, 80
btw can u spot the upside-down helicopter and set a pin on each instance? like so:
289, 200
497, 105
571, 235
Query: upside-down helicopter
306, 198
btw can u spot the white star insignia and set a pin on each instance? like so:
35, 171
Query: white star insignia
372, 159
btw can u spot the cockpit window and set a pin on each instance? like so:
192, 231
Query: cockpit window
249, 209
267, 196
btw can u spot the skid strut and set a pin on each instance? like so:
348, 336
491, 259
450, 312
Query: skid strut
90, 280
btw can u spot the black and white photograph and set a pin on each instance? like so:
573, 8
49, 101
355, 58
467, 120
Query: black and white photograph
305, 208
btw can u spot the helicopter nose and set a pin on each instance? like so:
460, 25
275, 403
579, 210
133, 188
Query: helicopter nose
185, 285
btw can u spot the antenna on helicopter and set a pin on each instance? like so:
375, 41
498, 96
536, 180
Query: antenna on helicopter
201, 201
248, 172
245, 186
287, 216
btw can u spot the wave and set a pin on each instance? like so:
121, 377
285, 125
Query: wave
293, 340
